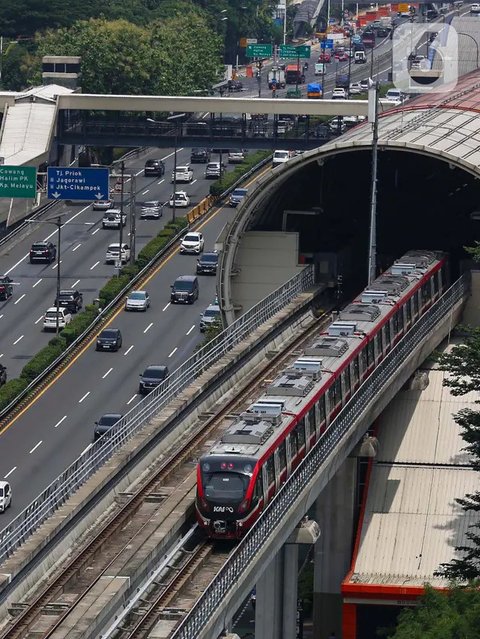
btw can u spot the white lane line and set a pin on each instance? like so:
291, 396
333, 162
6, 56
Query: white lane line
175, 349
161, 181
138, 172
15, 265
89, 223
37, 283
10, 472
87, 448
173, 153
107, 373
84, 397
56, 265
95, 231
75, 283
77, 247
190, 330
148, 327
96, 264
20, 298
165, 308
1, 316
67, 221
193, 181
39, 319
17, 340
1, 354
36, 446
145, 192
131, 399
62, 420
128, 350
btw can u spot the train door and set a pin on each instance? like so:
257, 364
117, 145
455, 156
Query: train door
265, 484
289, 456
307, 433
276, 462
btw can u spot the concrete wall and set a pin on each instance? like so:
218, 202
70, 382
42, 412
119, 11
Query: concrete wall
265, 260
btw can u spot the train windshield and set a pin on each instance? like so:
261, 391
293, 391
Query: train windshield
225, 487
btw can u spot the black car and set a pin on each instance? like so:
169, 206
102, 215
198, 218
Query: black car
105, 424
207, 264
234, 86
185, 290
151, 378
110, 339
322, 132
200, 156
154, 167
6, 288
3, 375
70, 299
43, 252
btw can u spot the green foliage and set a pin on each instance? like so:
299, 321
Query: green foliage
11, 390
210, 333
112, 288
228, 179
474, 251
451, 615
43, 359
79, 324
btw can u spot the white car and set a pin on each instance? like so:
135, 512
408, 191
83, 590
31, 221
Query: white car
113, 253
182, 174
192, 243
475, 8
213, 170
50, 318
339, 94
152, 210
137, 301
102, 205
111, 219
281, 156
395, 95
5, 496
356, 88
180, 198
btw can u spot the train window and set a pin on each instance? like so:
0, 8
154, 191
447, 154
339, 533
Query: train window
282, 455
425, 293
386, 329
338, 390
257, 492
270, 470
346, 380
415, 303
408, 307
370, 354
399, 314
377, 345
312, 419
300, 430
395, 323
436, 282
293, 443
355, 370
321, 409
363, 361
331, 397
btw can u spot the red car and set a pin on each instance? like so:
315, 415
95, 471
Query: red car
342, 57
325, 57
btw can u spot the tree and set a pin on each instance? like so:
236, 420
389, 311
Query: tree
16, 65
454, 614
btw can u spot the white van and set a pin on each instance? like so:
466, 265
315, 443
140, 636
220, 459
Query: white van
395, 95
5, 496
280, 157
113, 253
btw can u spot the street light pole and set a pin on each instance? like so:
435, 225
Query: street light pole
175, 119
467, 35
122, 173
57, 322
372, 245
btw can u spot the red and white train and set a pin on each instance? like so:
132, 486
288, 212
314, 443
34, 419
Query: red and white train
246, 468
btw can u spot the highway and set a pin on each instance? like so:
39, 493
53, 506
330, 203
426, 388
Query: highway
53, 431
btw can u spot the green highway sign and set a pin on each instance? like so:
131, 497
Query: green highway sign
259, 50
289, 51
18, 181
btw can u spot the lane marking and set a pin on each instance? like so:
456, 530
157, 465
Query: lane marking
39, 319
107, 373
95, 231
190, 330
56, 265
75, 283
128, 350
10, 472
35, 447
86, 449
1, 355
62, 420
84, 397
96, 264
89, 223
173, 153
138, 172
145, 192
67, 221
20, 298
1, 316
37, 283
15, 265
193, 182
93, 339
175, 349
148, 327
161, 181
165, 308
17, 340
77, 247
131, 399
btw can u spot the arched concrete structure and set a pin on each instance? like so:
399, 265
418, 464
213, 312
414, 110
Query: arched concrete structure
445, 126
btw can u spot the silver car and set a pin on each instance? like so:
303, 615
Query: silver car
137, 301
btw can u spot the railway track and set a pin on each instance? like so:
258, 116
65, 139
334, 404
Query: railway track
160, 508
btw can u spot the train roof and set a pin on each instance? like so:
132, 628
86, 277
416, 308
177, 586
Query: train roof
253, 432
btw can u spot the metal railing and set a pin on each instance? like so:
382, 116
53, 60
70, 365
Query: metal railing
277, 512
83, 468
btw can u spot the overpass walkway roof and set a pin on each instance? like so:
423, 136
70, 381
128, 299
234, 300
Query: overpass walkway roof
411, 522
28, 125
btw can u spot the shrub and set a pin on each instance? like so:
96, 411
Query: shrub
79, 324
112, 288
11, 390
42, 360
228, 179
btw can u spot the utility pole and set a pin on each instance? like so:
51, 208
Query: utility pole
58, 224
122, 190
372, 245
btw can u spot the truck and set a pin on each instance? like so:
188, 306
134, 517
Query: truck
341, 81
320, 68
294, 74
314, 91
276, 78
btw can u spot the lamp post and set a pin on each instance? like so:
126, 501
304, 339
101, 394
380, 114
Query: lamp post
175, 118
372, 245
122, 191
467, 35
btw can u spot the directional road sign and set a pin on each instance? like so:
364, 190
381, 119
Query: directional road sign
259, 50
289, 51
18, 181
74, 183
326, 44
